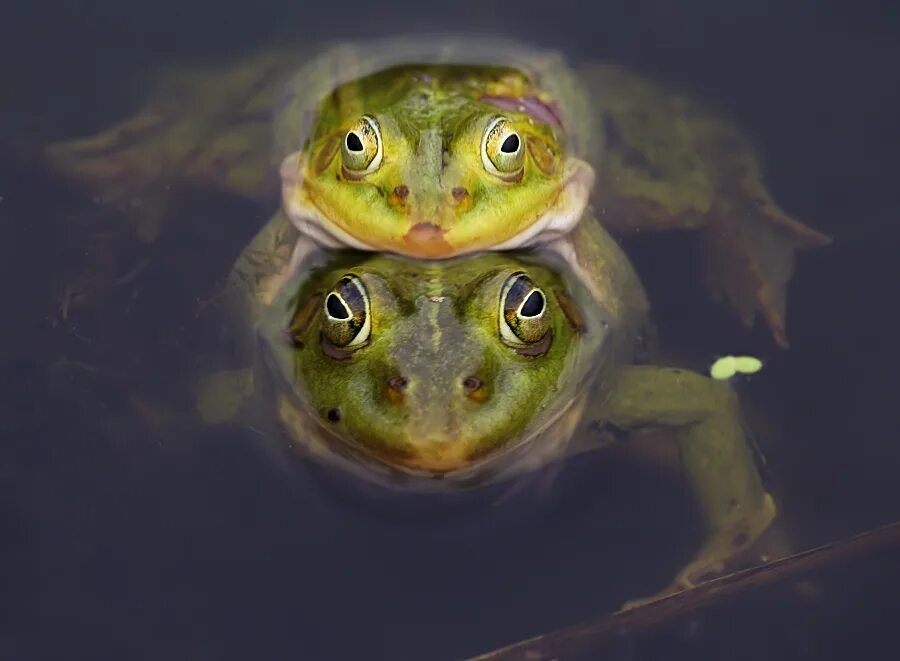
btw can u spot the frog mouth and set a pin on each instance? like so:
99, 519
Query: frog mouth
433, 238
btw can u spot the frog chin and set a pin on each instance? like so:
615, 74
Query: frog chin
449, 463
433, 456
443, 467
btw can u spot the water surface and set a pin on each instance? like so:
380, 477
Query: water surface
123, 538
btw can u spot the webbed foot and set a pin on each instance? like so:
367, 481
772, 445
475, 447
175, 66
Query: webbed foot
726, 543
749, 542
752, 541
668, 162
750, 245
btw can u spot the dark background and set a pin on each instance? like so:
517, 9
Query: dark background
120, 541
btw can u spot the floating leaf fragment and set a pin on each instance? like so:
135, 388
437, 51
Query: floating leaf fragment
723, 368
727, 366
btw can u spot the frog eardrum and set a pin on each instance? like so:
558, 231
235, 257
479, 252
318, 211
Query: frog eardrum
361, 149
523, 312
502, 151
348, 317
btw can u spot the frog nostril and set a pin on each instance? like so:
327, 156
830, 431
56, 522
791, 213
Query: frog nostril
459, 193
470, 384
394, 389
398, 383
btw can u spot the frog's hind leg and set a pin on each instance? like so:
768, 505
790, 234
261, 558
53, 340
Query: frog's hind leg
705, 418
749, 245
665, 161
206, 127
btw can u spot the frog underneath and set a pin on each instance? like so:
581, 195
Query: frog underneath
435, 375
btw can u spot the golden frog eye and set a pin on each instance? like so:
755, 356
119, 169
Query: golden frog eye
361, 149
348, 317
502, 149
524, 319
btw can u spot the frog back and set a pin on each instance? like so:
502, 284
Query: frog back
341, 63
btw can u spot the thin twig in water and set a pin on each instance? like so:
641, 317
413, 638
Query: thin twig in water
133, 273
581, 638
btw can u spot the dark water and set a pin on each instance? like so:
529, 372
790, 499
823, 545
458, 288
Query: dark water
121, 538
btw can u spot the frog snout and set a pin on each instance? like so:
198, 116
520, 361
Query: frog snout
401, 389
437, 409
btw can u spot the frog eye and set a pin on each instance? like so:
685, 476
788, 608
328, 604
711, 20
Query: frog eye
524, 320
502, 149
361, 150
348, 319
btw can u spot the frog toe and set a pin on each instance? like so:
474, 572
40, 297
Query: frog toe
750, 260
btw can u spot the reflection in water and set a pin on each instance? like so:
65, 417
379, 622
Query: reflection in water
189, 539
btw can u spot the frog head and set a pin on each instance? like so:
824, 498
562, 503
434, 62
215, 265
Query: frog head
435, 161
430, 367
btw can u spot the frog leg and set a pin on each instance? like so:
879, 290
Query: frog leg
749, 249
665, 161
704, 416
203, 126
221, 395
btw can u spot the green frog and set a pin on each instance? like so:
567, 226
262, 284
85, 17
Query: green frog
436, 375
436, 149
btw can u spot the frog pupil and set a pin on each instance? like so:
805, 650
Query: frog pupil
354, 143
510, 145
336, 307
533, 305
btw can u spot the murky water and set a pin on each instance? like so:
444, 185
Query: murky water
125, 534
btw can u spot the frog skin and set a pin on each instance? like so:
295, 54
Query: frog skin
454, 374
438, 149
